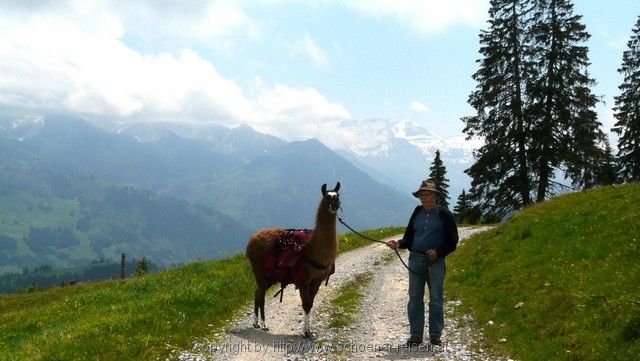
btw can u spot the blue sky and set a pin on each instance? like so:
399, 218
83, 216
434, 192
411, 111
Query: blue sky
294, 69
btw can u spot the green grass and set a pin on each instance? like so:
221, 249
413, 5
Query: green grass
344, 306
138, 319
141, 318
574, 263
342, 310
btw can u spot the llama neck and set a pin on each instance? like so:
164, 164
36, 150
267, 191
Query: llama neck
324, 243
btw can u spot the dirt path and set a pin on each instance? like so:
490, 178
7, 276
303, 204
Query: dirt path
384, 326
380, 332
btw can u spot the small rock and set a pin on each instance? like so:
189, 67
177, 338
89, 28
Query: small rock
490, 323
519, 305
502, 340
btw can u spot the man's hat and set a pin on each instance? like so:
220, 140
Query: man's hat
426, 185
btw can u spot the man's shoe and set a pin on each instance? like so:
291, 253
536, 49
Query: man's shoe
435, 340
414, 341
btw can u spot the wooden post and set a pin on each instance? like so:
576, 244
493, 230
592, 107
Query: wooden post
122, 267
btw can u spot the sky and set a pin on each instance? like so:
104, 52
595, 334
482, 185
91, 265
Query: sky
323, 69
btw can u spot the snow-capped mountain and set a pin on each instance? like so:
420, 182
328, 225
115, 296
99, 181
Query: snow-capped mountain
397, 153
428, 142
20, 127
401, 153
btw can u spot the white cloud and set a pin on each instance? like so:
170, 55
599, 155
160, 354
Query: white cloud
314, 52
76, 61
416, 106
64, 62
74, 57
200, 21
293, 113
425, 16
285, 101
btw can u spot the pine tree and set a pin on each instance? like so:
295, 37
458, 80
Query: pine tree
475, 215
438, 174
534, 105
142, 267
627, 109
608, 170
462, 208
565, 124
501, 175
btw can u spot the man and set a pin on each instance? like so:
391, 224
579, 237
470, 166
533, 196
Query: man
430, 236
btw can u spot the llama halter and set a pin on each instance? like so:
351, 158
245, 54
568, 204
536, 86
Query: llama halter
334, 202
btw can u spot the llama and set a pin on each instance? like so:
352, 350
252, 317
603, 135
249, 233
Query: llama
319, 253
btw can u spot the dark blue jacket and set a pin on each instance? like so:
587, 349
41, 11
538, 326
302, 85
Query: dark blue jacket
450, 232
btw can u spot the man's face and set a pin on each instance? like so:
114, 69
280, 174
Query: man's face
428, 199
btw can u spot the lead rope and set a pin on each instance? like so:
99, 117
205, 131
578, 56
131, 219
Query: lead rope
383, 242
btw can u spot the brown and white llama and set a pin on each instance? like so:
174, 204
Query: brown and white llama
319, 253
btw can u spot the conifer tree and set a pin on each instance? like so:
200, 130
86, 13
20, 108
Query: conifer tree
142, 267
627, 109
608, 170
501, 176
534, 105
462, 208
438, 174
565, 123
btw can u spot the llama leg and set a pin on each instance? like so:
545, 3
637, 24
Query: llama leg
307, 303
262, 319
306, 306
256, 307
307, 331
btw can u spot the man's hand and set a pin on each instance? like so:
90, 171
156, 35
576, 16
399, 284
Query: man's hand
393, 244
432, 254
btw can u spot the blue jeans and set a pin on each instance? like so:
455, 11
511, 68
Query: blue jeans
419, 262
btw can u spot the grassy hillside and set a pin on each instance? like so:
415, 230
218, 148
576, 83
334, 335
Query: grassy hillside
138, 319
69, 220
560, 280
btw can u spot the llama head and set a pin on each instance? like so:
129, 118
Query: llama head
331, 198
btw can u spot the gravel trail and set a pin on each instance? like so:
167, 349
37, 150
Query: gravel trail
379, 333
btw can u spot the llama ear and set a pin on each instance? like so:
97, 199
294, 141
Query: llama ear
324, 189
337, 187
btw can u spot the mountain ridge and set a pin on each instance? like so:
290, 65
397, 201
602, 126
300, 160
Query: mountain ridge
255, 180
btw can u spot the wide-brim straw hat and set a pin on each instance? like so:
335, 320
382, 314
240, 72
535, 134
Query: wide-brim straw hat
426, 185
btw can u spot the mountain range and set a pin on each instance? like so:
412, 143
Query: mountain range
404, 151
243, 179
388, 159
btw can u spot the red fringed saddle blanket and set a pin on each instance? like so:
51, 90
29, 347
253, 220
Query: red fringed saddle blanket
286, 263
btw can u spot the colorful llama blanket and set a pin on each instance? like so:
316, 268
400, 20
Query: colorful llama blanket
286, 263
